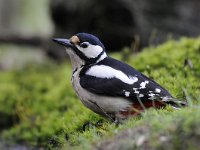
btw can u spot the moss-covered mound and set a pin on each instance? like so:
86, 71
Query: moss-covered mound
38, 106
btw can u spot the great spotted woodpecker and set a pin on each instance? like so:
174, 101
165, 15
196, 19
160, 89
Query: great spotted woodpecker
110, 87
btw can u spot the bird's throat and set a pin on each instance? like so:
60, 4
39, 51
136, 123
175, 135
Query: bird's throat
76, 61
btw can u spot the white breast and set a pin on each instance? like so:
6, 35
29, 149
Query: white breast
108, 104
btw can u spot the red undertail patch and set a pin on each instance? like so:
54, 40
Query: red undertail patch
138, 108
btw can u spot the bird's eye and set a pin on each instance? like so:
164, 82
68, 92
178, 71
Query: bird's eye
84, 45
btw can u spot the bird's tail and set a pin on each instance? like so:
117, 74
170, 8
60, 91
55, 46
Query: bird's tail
174, 102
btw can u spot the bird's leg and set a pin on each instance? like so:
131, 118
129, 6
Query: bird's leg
119, 118
107, 115
141, 103
87, 126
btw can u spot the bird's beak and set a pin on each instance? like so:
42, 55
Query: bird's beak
64, 42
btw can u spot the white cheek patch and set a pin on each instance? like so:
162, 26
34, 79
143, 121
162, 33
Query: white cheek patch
102, 71
102, 57
92, 51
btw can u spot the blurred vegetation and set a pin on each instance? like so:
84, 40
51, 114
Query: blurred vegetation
18, 56
40, 108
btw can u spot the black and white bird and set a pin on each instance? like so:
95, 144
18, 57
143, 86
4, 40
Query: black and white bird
110, 87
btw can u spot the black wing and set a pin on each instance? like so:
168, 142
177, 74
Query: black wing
115, 87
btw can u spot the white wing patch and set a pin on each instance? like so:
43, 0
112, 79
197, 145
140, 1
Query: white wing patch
143, 84
141, 95
136, 90
127, 94
102, 71
157, 90
151, 94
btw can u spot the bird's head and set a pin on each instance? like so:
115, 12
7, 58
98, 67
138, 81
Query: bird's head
83, 49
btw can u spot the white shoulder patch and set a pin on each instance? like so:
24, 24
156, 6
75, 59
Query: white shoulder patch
102, 71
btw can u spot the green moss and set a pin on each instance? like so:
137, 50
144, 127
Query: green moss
48, 113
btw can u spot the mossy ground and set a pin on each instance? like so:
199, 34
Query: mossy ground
41, 108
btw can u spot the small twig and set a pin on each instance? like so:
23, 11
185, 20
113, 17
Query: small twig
187, 97
153, 103
141, 103
188, 62
136, 110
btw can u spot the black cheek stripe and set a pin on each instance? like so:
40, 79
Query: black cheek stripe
87, 60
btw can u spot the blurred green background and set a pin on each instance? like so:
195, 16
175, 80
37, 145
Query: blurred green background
38, 108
